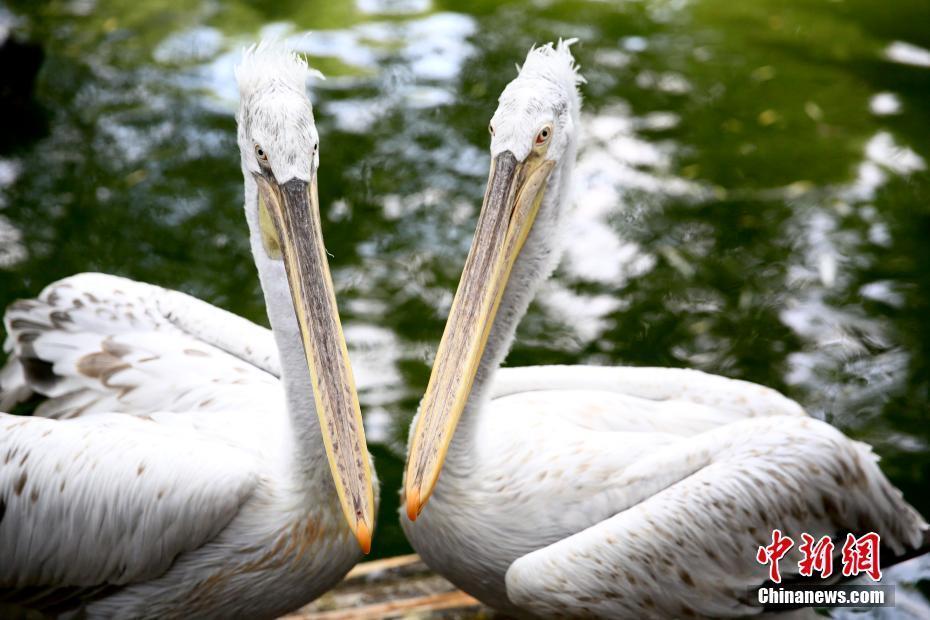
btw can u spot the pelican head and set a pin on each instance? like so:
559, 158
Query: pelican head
532, 143
279, 146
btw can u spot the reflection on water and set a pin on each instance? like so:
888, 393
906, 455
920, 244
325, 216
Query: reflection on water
751, 192
12, 250
908, 54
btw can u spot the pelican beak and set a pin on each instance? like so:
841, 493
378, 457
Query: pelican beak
293, 208
511, 201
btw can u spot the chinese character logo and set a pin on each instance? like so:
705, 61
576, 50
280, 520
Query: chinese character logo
817, 556
773, 553
860, 555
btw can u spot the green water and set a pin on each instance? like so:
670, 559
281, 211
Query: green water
753, 194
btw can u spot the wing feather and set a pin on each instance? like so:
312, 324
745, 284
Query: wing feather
100, 343
701, 509
682, 385
109, 499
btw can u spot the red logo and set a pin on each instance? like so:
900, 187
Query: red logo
773, 553
817, 556
860, 555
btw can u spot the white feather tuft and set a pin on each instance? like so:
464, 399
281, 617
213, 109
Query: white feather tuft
554, 62
269, 62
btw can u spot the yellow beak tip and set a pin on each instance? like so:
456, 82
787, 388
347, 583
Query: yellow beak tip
413, 504
363, 534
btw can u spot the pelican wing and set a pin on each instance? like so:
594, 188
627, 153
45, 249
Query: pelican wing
697, 511
731, 398
100, 343
91, 504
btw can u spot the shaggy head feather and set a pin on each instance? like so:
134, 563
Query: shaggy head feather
544, 93
275, 116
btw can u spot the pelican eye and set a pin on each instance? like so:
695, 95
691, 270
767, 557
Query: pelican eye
491, 128
543, 135
261, 154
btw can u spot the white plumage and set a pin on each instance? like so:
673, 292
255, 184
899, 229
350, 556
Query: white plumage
176, 467
610, 492
95, 342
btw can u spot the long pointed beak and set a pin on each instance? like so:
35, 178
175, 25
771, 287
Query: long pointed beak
294, 209
515, 191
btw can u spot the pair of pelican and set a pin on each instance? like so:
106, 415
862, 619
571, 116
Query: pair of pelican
178, 465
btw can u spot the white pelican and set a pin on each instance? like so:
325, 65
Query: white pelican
171, 473
606, 492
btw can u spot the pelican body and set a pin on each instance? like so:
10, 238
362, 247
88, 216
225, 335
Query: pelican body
607, 492
186, 462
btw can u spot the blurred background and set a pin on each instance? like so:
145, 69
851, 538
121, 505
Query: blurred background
752, 192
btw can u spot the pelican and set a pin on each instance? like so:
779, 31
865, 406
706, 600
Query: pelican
595, 491
186, 463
